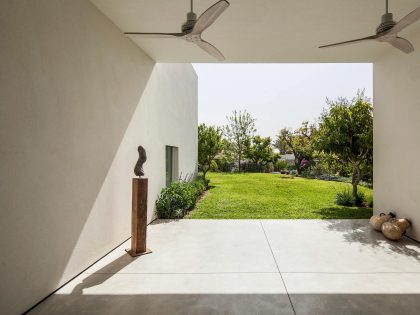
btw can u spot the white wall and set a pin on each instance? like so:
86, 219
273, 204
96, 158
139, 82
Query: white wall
397, 134
76, 99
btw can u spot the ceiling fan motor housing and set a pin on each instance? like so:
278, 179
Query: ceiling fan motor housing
189, 24
387, 23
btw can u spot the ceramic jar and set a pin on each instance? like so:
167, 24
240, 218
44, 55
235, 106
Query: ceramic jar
376, 221
395, 228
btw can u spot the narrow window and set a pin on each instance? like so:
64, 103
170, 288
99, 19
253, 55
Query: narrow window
171, 165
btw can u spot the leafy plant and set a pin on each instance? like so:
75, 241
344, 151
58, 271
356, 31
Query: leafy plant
344, 198
370, 202
210, 144
280, 165
360, 199
181, 196
200, 185
224, 165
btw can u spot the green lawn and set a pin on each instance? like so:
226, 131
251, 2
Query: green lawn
273, 196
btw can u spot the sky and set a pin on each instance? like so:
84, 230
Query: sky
277, 95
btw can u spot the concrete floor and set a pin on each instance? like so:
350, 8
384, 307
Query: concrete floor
251, 267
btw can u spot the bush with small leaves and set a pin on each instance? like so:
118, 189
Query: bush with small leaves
205, 182
174, 201
280, 165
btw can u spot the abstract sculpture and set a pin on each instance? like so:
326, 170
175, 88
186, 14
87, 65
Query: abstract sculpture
139, 209
138, 169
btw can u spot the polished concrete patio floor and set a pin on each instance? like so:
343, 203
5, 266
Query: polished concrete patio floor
251, 267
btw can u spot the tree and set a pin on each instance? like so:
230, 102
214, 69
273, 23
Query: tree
210, 144
330, 164
299, 142
239, 130
259, 151
346, 130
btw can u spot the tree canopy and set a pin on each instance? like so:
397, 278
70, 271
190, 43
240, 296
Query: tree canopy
259, 151
299, 142
210, 144
239, 131
346, 130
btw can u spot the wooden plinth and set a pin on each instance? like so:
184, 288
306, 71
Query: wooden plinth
139, 218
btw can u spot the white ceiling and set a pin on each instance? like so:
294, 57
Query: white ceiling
262, 30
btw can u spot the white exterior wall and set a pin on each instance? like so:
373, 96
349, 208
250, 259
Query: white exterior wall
76, 99
397, 134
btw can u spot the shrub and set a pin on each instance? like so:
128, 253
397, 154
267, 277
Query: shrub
269, 167
360, 199
344, 198
174, 201
224, 165
307, 174
370, 202
204, 181
280, 165
199, 186
252, 167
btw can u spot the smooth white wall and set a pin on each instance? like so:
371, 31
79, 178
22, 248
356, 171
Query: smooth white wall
76, 99
397, 134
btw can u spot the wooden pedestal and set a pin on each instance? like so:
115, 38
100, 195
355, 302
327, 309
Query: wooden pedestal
139, 218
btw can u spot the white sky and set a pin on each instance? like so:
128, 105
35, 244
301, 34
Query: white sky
277, 95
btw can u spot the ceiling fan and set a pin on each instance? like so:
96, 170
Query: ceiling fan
193, 27
388, 31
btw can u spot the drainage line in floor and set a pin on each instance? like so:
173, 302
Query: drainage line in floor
278, 268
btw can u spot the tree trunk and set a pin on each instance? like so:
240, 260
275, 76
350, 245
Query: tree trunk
239, 163
355, 179
298, 170
297, 164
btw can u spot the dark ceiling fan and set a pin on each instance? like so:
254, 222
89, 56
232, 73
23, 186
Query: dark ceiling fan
388, 31
193, 27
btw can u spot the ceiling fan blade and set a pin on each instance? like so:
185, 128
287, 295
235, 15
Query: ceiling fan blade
209, 16
401, 44
407, 20
156, 35
352, 41
210, 49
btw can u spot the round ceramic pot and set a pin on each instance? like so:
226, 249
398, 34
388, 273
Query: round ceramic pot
376, 221
392, 231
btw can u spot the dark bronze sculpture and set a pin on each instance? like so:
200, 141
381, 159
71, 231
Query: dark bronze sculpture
138, 169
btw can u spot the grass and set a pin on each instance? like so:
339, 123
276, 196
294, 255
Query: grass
273, 196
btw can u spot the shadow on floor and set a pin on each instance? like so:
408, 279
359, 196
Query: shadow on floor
107, 272
344, 213
362, 233
163, 221
241, 304
352, 304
